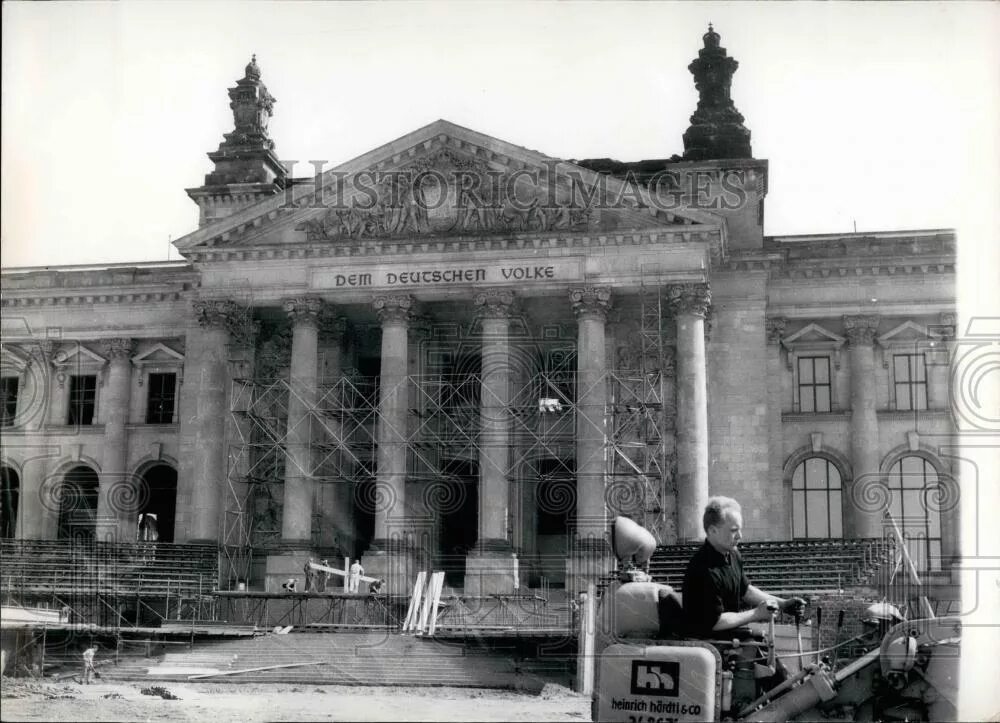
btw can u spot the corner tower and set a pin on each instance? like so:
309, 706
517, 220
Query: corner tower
717, 129
246, 167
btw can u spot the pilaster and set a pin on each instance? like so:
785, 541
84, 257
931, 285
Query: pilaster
206, 467
118, 494
867, 496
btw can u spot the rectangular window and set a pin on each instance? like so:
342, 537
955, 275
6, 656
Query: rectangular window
814, 384
82, 398
910, 376
8, 400
160, 403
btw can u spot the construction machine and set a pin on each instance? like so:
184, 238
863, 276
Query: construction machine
649, 671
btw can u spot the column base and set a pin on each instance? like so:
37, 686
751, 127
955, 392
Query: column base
397, 564
286, 564
491, 573
587, 562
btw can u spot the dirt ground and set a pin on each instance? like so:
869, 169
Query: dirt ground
32, 700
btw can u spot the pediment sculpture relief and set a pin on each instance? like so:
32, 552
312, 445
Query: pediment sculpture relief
447, 194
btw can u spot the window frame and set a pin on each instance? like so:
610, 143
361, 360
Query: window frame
71, 406
8, 420
905, 522
911, 385
149, 396
813, 340
813, 384
805, 490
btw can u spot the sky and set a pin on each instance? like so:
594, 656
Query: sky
872, 116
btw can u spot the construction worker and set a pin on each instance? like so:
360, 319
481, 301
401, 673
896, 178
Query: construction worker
355, 580
310, 575
323, 579
88, 663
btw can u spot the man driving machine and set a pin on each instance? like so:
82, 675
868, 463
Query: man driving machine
715, 587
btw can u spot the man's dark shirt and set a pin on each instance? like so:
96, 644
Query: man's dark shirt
713, 584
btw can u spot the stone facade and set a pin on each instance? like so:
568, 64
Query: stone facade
462, 354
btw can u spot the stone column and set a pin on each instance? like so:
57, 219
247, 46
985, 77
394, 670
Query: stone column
296, 521
774, 327
335, 493
208, 465
288, 559
118, 494
389, 556
38, 501
690, 304
492, 567
867, 497
590, 556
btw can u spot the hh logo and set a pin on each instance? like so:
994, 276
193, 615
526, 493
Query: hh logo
655, 677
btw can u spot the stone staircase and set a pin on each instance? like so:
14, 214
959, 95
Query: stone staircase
371, 658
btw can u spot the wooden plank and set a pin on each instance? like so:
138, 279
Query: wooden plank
255, 670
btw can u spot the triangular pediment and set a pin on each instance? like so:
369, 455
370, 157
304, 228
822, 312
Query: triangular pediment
159, 353
13, 359
813, 334
905, 333
78, 355
446, 180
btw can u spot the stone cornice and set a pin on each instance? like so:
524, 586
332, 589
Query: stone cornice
456, 244
83, 296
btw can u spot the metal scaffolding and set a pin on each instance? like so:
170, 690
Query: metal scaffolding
443, 426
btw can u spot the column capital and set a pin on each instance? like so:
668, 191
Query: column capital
591, 302
774, 326
303, 310
689, 298
117, 348
860, 329
215, 313
495, 303
394, 308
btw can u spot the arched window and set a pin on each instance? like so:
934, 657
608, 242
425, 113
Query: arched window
10, 488
816, 499
911, 480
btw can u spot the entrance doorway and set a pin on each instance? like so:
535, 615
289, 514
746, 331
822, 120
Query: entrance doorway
457, 508
156, 516
78, 505
10, 488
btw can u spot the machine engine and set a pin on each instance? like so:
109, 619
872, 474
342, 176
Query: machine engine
647, 672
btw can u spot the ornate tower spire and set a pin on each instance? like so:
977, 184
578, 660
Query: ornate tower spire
246, 167
717, 130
